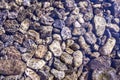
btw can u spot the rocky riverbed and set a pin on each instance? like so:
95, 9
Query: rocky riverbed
59, 39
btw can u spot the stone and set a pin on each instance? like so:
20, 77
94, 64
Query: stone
70, 20
66, 33
12, 67
58, 74
18, 37
48, 56
80, 18
55, 47
78, 31
35, 63
1, 45
114, 27
69, 42
59, 65
72, 76
59, 24
90, 38
24, 26
116, 8
76, 24
2, 31
32, 74
75, 46
70, 4
41, 51
57, 37
11, 52
67, 58
107, 48
100, 24
95, 54
27, 56
69, 50
77, 58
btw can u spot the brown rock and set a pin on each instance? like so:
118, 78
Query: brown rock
11, 67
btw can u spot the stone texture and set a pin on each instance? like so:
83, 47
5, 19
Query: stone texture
55, 47
59, 24
11, 67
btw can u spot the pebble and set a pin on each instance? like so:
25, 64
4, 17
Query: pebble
32, 74
58, 74
2, 31
95, 54
100, 24
18, 37
76, 24
1, 45
59, 24
107, 48
69, 42
27, 56
70, 4
78, 31
55, 47
67, 58
68, 50
90, 38
70, 20
115, 27
48, 56
35, 63
57, 37
12, 67
75, 46
77, 58
66, 33
41, 51
59, 65
80, 18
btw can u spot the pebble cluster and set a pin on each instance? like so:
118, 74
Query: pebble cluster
59, 39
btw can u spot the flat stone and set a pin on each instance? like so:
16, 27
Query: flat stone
107, 48
32, 74
90, 38
77, 58
58, 74
66, 33
100, 24
12, 67
35, 63
67, 58
55, 48
59, 65
41, 51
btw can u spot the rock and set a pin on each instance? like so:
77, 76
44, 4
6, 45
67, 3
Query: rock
95, 54
11, 67
46, 20
58, 74
80, 18
41, 51
70, 4
100, 24
45, 31
2, 31
100, 63
46, 4
18, 37
116, 63
70, 20
27, 56
76, 24
78, 31
13, 77
117, 8
55, 48
115, 27
1, 45
12, 15
77, 58
107, 74
75, 46
69, 50
43, 75
69, 42
59, 24
48, 56
24, 26
90, 38
67, 58
66, 33
11, 52
57, 37
72, 76
59, 65
107, 48
32, 74
35, 63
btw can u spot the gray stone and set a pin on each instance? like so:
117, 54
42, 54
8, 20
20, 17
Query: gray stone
59, 24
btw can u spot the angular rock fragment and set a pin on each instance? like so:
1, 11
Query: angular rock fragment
66, 33
115, 27
90, 38
77, 58
75, 46
32, 74
70, 4
70, 20
55, 48
48, 56
59, 24
27, 56
100, 24
78, 31
12, 67
59, 65
76, 24
35, 63
18, 37
117, 8
41, 51
1, 45
67, 58
2, 31
108, 47
58, 74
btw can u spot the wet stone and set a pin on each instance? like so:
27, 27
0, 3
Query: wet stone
12, 67
41, 51
59, 65
100, 24
58, 74
35, 63
66, 33
108, 47
59, 24
90, 38
67, 58
55, 47
32, 74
